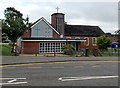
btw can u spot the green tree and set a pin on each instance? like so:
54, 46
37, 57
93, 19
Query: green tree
69, 49
118, 31
104, 42
14, 24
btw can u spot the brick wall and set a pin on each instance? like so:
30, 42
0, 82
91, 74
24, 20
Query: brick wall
31, 47
53, 22
55, 35
83, 44
27, 34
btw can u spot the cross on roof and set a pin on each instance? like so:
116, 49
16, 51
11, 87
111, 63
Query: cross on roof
57, 9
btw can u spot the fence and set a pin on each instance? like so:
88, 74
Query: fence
82, 52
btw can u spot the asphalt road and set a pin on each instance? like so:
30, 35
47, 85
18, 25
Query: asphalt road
49, 74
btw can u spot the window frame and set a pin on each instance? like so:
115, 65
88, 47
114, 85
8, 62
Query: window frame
51, 47
77, 37
68, 37
94, 43
87, 44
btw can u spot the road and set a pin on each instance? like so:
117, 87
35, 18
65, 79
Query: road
49, 74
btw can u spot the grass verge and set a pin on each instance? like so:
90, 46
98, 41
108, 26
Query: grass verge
6, 50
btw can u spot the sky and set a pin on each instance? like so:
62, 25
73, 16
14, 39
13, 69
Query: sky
102, 13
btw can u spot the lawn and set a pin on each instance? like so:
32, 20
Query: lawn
6, 50
111, 52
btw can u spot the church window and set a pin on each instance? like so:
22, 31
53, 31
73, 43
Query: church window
77, 37
94, 40
51, 47
68, 37
59, 23
87, 41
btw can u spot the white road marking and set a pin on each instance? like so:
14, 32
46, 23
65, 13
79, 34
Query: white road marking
95, 66
11, 78
12, 81
85, 78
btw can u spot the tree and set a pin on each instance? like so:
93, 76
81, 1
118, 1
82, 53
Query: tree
14, 24
118, 31
104, 42
69, 49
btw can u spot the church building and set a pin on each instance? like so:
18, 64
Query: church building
45, 37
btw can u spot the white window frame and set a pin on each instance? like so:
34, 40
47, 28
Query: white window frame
93, 41
77, 37
54, 47
68, 37
86, 41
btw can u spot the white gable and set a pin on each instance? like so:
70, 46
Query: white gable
42, 29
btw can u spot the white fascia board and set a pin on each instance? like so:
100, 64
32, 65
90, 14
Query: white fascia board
43, 40
54, 40
36, 23
76, 40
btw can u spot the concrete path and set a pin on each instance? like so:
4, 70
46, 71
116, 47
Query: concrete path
30, 59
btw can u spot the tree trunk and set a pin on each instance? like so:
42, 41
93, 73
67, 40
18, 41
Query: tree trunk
13, 47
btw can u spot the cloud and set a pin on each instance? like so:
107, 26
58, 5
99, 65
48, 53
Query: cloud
92, 11
103, 14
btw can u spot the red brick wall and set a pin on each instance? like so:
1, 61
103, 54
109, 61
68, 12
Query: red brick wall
55, 35
53, 22
27, 34
31, 47
83, 44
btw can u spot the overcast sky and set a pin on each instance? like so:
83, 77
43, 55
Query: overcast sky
98, 13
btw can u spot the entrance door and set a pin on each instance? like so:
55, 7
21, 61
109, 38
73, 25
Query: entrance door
77, 46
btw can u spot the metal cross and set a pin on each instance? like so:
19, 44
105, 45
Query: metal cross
57, 9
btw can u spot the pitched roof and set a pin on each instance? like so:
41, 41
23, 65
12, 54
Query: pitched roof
46, 23
83, 30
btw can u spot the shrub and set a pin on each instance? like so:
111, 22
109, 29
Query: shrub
104, 42
69, 49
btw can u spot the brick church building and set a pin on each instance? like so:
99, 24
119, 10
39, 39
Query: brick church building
44, 37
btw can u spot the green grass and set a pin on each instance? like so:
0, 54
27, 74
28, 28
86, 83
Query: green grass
6, 50
107, 55
113, 50
110, 53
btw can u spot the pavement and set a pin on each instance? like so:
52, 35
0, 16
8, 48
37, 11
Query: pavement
8, 60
